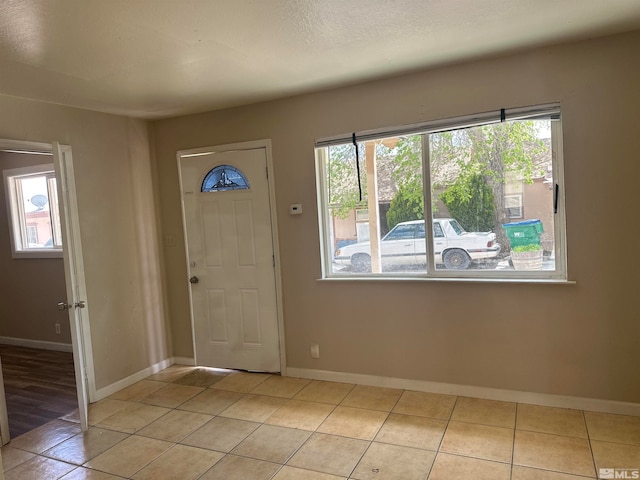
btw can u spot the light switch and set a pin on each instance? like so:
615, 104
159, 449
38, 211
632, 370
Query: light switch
295, 208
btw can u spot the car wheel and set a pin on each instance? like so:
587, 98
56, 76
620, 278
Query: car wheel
456, 259
361, 262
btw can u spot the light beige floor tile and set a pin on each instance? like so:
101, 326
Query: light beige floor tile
292, 473
299, 414
45, 437
221, 434
12, 457
105, 408
284, 387
412, 431
485, 412
241, 382
232, 467
133, 418
171, 374
613, 428
172, 395
325, 392
615, 455
137, 391
526, 473
86, 445
553, 452
82, 473
560, 421
39, 468
452, 467
272, 443
372, 398
179, 463
203, 377
353, 422
175, 425
423, 404
329, 454
479, 441
254, 408
129, 456
390, 462
211, 401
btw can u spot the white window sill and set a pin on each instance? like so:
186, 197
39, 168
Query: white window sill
546, 281
45, 253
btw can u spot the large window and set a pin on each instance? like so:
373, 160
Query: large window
490, 186
32, 204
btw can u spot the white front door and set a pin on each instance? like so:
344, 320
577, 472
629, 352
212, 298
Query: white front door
231, 262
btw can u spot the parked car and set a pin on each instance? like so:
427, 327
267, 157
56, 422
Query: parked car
405, 246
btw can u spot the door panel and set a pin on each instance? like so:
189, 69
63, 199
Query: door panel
230, 251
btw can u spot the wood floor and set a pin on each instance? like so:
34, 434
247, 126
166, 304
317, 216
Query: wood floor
39, 384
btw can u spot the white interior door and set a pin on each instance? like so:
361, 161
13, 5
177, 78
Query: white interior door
230, 253
74, 276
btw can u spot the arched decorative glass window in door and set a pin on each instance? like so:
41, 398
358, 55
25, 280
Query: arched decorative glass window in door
223, 178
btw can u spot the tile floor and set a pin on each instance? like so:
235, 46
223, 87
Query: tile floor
187, 423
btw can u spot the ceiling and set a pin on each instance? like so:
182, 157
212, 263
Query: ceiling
161, 58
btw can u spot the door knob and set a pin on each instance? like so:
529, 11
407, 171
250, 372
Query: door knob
80, 304
62, 306
194, 279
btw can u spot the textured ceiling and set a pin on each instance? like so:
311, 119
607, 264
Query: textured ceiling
159, 58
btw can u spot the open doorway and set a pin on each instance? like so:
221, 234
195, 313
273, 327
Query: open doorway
46, 335
35, 337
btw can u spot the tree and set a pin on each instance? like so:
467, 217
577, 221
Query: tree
408, 204
472, 203
342, 180
470, 163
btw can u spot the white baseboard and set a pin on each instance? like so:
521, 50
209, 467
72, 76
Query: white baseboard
131, 379
545, 399
25, 342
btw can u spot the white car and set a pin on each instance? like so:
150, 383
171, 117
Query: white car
405, 246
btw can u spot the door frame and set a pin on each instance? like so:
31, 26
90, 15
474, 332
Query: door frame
250, 145
73, 262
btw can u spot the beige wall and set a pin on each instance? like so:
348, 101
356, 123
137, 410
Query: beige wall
31, 287
577, 339
116, 206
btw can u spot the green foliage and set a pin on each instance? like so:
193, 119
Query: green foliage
344, 196
408, 204
532, 247
470, 201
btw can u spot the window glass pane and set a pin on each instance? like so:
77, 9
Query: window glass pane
474, 174
36, 208
391, 189
223, 178
491, 195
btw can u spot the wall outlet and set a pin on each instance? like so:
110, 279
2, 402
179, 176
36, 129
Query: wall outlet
57, 328
315, 351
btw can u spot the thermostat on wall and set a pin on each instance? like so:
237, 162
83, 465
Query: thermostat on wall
295, 208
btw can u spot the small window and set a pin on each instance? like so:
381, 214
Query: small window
470, 177
32, 204
223, 178
513, 204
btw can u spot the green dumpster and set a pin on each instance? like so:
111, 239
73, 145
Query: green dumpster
526, 232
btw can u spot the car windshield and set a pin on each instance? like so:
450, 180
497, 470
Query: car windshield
456, 226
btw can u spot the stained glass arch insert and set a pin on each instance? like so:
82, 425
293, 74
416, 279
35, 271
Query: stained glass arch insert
223, 178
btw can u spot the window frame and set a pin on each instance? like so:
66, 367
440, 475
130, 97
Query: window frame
550, 112
16, 215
